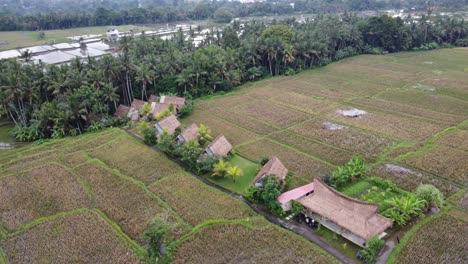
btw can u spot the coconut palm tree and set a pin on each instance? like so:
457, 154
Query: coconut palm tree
220, 169
234, 173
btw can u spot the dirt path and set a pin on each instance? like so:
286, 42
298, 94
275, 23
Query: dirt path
291, 226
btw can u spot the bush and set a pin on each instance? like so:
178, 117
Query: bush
343, 174
268, 195
27, 133
150, 137
166, 142
296, 207
430, 194
186, 110
462, 42
263, 160
206, 164
370, 252
156, 233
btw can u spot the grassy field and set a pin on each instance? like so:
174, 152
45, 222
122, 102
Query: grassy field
89, 199
18, 39
250, 170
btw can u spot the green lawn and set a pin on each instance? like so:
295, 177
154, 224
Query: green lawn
250, 170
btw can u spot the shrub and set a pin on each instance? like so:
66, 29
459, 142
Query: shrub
156, 234
462, 42
189, 153
401, 209
164, 113
430, 194
370, 252
166, 142
296, 207
206, 164
268, 195
186, 110
27, 133
220, 169
150, 137
145, 109
263, 160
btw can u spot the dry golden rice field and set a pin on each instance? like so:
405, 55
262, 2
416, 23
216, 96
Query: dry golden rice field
416, 106
414, 130
442, 240
89, 199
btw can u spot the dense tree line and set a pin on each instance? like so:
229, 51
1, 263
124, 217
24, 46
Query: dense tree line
57, 15
49, 100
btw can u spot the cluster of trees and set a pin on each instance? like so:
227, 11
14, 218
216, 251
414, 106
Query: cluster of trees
159, 11
224, 169
54, 101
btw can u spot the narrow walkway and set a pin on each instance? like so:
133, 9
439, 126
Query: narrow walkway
291, 226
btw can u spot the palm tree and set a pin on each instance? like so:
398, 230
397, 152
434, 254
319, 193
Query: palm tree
203, 134
144, 75
110, 94
220, 169
234, 173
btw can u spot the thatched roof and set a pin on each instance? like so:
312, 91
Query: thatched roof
152, 99
175, 100
122, 110
274, 167
220, 146
359, 218
158, 109
190, 133
137, 104
169, 123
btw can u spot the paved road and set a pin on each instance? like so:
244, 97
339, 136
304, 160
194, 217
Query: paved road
290, 225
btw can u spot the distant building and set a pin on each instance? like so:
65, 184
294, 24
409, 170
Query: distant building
112, 35
122, 111
273, 167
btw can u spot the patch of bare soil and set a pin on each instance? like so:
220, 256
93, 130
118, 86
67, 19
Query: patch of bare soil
354, 113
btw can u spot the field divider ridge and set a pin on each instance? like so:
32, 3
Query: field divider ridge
139, 251
143, 187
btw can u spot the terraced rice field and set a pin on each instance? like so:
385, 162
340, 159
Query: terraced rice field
413, 130
89, 199
442, 240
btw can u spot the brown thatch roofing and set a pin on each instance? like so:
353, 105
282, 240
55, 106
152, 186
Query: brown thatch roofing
220, 146
122, 110
158, 109
190, 133
360, 218
175, 100
137, 104
274, 167
152, 99
169, 123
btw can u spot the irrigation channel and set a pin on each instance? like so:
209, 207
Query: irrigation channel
289, 225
